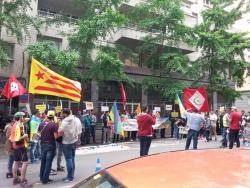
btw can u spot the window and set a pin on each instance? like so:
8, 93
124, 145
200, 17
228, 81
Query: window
9, 49
207, 2
57, 42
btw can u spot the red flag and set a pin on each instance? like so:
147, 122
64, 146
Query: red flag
124, 99
13, 88
196, 99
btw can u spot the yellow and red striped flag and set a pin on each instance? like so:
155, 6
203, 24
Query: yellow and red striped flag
46, 82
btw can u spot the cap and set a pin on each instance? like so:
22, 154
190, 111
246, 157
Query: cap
51, 113
234, 108
19, 114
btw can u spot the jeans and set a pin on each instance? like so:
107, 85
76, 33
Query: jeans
224, 136
207, 132
59, 154
87, 135
176, 131
145, 142
10, 162
192, 134
33, 151
69, 151
234, 137
48, 154
106, 135
93, 132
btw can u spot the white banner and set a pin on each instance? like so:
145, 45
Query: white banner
131, 124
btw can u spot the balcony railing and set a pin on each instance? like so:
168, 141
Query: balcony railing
52, 15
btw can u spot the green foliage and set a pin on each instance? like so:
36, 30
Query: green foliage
65, 62
165, 18
108, 67
222, 61
100, 18
165, 86
14, 18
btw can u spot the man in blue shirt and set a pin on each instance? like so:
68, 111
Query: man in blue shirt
194, 121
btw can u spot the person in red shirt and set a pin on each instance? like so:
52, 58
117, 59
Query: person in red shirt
145, 130
234, 128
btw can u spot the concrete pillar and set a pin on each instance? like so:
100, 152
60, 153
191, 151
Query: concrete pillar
144, 97
215, 102
94, 95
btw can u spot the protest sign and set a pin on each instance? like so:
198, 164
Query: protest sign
41, 107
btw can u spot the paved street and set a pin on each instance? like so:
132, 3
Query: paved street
109, 155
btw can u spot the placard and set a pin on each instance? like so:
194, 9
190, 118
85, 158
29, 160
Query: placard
174, 114
104, 108
157, 109
28, 109
89, 105
41, 107
58, 109
169, 107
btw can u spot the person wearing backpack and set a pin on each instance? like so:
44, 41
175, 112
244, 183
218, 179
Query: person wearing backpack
19, 142
48, 135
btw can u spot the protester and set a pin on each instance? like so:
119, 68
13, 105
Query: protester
19, 141
226, 118
213, 120
106, 128
93, 125
194, 121
177, 123
35, 143
234, 128
2, 126
59, 150
145, 130
87, 127
8, 145
70, 130
207, 127
48, 131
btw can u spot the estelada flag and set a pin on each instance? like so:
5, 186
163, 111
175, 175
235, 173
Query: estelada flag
13, 88
124, 98
46, 82
196, 99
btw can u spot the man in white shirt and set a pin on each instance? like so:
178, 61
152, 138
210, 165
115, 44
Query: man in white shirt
194, 121
70, 130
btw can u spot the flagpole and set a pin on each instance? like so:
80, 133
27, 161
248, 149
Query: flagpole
10, 106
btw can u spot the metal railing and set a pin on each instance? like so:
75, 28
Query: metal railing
52, 15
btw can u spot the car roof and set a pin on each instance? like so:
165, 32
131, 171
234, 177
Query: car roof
201, 168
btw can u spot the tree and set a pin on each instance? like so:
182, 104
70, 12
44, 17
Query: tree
63, 62
14, 18
222, 59
100, 18
164, 19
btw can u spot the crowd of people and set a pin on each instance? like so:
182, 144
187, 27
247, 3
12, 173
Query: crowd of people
45, 135
231, 124
42, 137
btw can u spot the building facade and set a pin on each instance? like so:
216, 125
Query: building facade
128, 36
